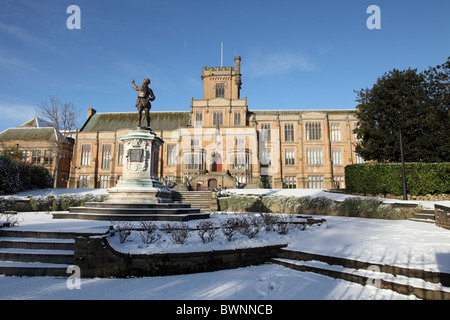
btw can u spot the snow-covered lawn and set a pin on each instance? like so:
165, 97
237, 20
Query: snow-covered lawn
400, 242
265, 282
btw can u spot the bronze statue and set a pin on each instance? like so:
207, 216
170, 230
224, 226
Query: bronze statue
145, 95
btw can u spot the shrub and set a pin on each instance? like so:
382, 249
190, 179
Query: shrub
24, 174
149, 234
178, 233
229, 228
62, 202
369, 208
123, 228
206, 231
249, 226
11, 220
284, 225
7, 204
280, 204
380, 178
9, 176
40, 177
41, 203
268, 220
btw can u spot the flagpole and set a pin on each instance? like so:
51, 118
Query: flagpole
221, 54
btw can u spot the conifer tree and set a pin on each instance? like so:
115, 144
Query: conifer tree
415, 103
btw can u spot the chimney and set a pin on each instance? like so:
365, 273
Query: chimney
237, 68
90, 112
237, 64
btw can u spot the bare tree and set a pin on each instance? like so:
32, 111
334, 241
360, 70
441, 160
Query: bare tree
63, 118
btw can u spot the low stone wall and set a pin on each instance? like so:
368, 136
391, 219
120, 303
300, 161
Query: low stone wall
442, 215
96, 258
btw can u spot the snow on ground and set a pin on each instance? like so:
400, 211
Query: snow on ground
400, 242
265, 282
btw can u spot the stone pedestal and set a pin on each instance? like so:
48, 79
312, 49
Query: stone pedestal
139, 195
139, 182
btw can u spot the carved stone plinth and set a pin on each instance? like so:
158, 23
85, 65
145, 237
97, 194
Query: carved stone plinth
139, 195
139, 182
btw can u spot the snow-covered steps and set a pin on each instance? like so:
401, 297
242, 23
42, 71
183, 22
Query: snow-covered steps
198, 199
35, 253
33, 269
37, 243
424, 215
423, 284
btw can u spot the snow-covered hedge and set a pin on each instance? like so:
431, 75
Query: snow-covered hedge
351, 207
281, 204
63, 202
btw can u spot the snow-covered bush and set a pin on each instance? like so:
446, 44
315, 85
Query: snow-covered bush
250, 225
206, 231
360, 207
123, 228
11, 219
41, 203
178, 233
7, 204
284, 224
149, 234
280, 204
62, 202
268, 220
229, 228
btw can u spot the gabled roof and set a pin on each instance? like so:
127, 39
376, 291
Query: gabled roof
115, 121
28, 134
37, 123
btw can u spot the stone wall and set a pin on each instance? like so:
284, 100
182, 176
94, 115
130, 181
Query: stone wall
442, 215
96, 258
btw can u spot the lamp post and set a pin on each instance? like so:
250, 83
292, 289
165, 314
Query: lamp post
405, 195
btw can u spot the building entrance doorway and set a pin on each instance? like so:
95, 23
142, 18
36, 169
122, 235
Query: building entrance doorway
216, 163
212, 184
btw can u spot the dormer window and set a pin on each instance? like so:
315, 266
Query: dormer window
220, 90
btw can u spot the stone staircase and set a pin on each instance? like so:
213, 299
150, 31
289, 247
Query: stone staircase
424, 215
423, 284
197, 199
34, 253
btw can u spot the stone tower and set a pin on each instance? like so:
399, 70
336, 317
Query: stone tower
222, 82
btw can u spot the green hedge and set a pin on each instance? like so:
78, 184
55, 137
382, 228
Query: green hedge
380, 178
350, 207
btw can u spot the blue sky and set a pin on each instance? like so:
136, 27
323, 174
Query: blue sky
295, 54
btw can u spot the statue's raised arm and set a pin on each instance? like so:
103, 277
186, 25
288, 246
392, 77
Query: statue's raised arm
135, 86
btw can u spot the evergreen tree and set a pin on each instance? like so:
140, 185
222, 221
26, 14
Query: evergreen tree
415, 103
